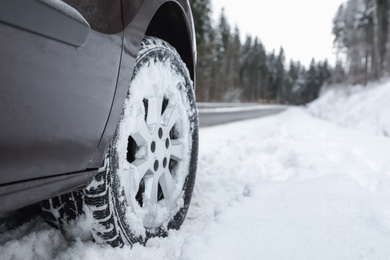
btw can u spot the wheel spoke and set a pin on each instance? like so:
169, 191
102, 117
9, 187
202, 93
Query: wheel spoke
143, 167
154, 112
176, 150
167, 184
142, 133
151, 189
170, 116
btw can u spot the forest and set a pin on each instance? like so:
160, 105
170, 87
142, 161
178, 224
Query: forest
230, 69
361, 33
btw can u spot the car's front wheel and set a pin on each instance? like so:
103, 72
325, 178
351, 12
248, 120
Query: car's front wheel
151, 165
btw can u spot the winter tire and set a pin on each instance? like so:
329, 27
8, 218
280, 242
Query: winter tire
147, 185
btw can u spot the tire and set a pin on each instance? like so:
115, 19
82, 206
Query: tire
146, 188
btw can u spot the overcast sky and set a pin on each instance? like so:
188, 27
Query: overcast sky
302, 27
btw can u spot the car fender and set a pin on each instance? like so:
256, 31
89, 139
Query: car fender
168, 20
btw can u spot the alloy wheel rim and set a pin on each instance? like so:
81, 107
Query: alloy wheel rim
155, 149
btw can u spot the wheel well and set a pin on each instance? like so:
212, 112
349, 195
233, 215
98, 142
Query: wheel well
169, 24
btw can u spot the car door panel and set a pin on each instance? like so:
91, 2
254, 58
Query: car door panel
54, 101
66, 24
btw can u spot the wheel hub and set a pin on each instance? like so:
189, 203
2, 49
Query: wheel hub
156, 148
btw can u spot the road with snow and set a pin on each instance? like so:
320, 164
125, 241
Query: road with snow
288, 186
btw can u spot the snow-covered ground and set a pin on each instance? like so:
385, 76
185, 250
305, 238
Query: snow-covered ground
290, 186
361, 108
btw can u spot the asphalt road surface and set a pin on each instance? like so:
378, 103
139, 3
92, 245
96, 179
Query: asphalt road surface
216, 116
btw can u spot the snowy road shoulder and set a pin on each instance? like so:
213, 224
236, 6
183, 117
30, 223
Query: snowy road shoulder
304, 189
284, 187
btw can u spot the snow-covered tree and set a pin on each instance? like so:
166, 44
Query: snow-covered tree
361, 32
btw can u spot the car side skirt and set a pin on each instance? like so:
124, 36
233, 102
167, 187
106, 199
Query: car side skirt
20, 194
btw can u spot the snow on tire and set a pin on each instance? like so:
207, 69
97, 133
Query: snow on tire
151, 165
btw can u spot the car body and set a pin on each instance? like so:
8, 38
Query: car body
63, 84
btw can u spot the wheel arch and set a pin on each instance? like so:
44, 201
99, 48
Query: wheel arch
169, 24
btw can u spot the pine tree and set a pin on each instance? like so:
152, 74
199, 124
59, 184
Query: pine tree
223, 62
280, 75
361, 31
312, 82
339, 31
291, 80
244, 75
201, 10
272, 76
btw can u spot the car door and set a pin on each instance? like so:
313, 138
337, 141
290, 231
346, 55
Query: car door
58, 71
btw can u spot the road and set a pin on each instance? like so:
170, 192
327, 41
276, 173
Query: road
212, 114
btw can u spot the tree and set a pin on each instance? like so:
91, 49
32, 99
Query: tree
313, 83
223, 61
280, 75
201, 10
291, 80
324, 72
361, 32
338, 29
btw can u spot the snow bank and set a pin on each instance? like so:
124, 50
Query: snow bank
363, 108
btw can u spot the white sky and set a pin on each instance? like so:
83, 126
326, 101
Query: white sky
302, 27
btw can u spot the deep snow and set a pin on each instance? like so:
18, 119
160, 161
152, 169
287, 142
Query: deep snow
290, 186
